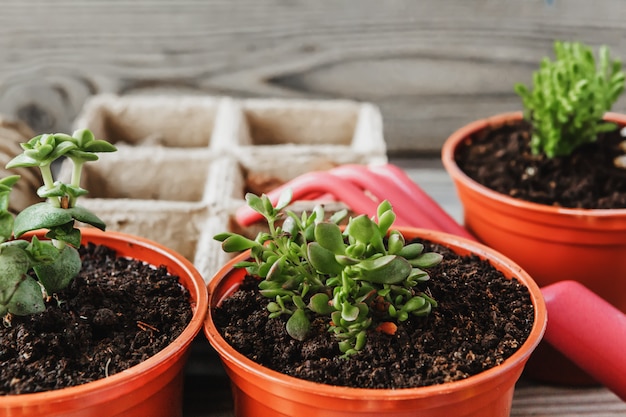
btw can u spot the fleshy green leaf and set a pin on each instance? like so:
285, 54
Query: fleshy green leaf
362, 228
298, 325
57, 275
40, 216
236, 243
284, 199
427, 260
322, 259
349, 312
389, 272
329, 236
84, 215
319, 304
27, 298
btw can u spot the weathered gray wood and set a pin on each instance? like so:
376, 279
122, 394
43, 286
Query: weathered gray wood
431, 65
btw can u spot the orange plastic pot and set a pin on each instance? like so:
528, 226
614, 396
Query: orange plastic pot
551, 243
152, 388
261, 392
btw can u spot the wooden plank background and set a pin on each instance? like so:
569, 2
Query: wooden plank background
431, 65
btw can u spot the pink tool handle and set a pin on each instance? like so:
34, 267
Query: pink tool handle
423, 202
589, 331
385, 189
310, 183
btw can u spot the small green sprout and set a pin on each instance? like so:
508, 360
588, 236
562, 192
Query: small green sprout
55, 262
309, 267
570, 95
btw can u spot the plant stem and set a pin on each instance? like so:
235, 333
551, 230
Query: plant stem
76, 175
48, 181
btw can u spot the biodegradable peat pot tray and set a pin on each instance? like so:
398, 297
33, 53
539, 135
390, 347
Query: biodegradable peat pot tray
184, 163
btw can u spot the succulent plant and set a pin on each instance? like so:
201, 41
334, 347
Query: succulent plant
569, 97
55, 261
310, 266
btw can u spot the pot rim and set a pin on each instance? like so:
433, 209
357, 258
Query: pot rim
463, 245
451, 144
200, 305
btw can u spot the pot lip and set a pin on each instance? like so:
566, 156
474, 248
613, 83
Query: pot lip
520, 356
452, 142
198, 288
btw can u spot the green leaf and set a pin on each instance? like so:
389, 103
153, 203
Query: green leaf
385, 221
6, 226
329, 236
82, 156
413, 304
319, 303
14, 262
412, 250
298, 325
40, 216
57, 275
284, 199
362, 228
65, 233
349, 312
338, 216
323, 260
21, 161
9, 181
42, 251
255, 203
84, 215
27, 298
389, 269
236, 243
100, 146
427, 260
395, 242
83, 137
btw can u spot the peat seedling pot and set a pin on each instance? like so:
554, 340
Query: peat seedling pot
551, 243
152, 388
261, 392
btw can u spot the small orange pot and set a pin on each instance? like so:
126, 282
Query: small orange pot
261, 392
552, 244
152, 388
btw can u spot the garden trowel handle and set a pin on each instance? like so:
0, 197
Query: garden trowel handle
589, 331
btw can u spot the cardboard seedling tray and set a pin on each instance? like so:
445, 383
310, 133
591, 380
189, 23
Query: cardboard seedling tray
184, 164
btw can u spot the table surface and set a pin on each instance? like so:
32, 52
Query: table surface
207, 391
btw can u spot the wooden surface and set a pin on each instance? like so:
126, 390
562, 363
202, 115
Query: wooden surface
208, 393
431, 65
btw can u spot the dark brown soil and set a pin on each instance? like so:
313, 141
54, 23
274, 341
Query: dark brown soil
501, 160
481, 320
114, 315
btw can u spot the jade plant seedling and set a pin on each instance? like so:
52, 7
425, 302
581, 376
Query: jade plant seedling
31, 270
309, 267
569, 97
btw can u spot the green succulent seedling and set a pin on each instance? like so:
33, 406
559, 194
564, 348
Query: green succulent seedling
569, 97
309, 267
55, 261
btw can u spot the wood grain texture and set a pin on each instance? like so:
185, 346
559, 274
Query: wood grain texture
431, 65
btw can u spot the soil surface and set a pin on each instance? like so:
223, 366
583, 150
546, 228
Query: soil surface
501, 160
482, 319
115, 314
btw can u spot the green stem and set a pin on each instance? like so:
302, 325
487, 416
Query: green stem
76, 176
48, 182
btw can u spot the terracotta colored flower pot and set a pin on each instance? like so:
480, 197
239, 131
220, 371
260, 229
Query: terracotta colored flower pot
151, 388
261, 392
550, 243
